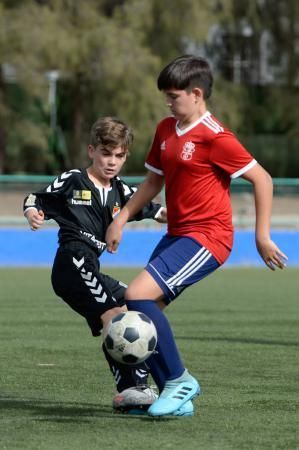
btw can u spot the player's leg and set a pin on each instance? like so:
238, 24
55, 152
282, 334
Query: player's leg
175, 264
133, 391
76, 279
147, 295
139, 373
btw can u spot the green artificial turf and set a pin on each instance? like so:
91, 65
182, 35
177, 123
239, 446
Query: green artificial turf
238, 334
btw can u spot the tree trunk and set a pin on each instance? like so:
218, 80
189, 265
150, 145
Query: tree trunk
2, 150
76, 150
2, 130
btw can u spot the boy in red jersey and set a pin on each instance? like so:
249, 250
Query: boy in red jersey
196, 157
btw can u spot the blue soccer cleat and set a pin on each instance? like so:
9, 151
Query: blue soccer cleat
186, 410
175, 395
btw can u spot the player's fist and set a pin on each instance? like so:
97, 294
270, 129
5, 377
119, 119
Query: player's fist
161, 215
35, 218
113, 236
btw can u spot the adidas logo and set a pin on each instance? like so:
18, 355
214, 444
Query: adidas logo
163, 146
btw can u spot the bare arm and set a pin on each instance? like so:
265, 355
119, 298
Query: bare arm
151, 186
263, 193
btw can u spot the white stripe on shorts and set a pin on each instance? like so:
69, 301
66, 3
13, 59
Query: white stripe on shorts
185, 267
195, 263
154, 268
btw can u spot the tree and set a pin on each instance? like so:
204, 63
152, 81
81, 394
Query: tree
97, 59
108, 54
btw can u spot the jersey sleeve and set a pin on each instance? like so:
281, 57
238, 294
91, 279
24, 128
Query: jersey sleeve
149, 211
31, 201
153, 162
230, 155
49, 199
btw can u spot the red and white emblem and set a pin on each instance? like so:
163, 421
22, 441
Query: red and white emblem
115, 210
188, 150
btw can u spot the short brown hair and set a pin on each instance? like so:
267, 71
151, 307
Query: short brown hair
111, 132
187, 72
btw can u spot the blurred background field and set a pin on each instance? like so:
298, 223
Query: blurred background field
16, 239
285, 203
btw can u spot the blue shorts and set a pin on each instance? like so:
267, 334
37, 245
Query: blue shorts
178, 262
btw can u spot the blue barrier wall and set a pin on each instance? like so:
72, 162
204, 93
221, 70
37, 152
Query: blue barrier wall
21, 247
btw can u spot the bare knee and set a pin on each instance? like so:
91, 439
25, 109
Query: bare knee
133, 293
144, 287
110, 313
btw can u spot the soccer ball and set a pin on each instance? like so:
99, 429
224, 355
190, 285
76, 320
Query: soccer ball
130, 337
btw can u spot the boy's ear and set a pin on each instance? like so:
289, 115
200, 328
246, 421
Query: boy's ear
198, 93
90, 151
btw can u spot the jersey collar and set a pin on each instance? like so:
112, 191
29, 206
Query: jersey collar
180, 132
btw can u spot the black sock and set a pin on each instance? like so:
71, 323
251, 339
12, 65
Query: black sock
126, 376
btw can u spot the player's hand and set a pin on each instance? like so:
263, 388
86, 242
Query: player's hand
271, 254
161, 215
35, 218
113, 237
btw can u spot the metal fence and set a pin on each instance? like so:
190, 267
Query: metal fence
13, 189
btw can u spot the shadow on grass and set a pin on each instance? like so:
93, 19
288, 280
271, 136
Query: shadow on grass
241, 340
68, 412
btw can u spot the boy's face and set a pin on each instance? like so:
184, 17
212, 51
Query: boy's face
106, 163
183, 104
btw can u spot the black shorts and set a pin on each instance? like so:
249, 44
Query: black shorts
77, 280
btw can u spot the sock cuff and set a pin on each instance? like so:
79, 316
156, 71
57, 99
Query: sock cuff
136, 304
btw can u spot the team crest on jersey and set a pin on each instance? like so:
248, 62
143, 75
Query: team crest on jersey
116, 209
188, 149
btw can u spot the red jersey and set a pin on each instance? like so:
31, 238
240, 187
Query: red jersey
198, 164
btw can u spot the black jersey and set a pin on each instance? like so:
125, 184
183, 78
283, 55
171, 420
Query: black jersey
83, 211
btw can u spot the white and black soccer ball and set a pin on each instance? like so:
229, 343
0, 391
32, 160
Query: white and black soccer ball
130, 337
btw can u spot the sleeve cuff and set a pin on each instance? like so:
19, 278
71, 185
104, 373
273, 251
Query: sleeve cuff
244, 169
30, 207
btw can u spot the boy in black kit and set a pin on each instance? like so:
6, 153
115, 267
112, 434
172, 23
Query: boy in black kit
83, 202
